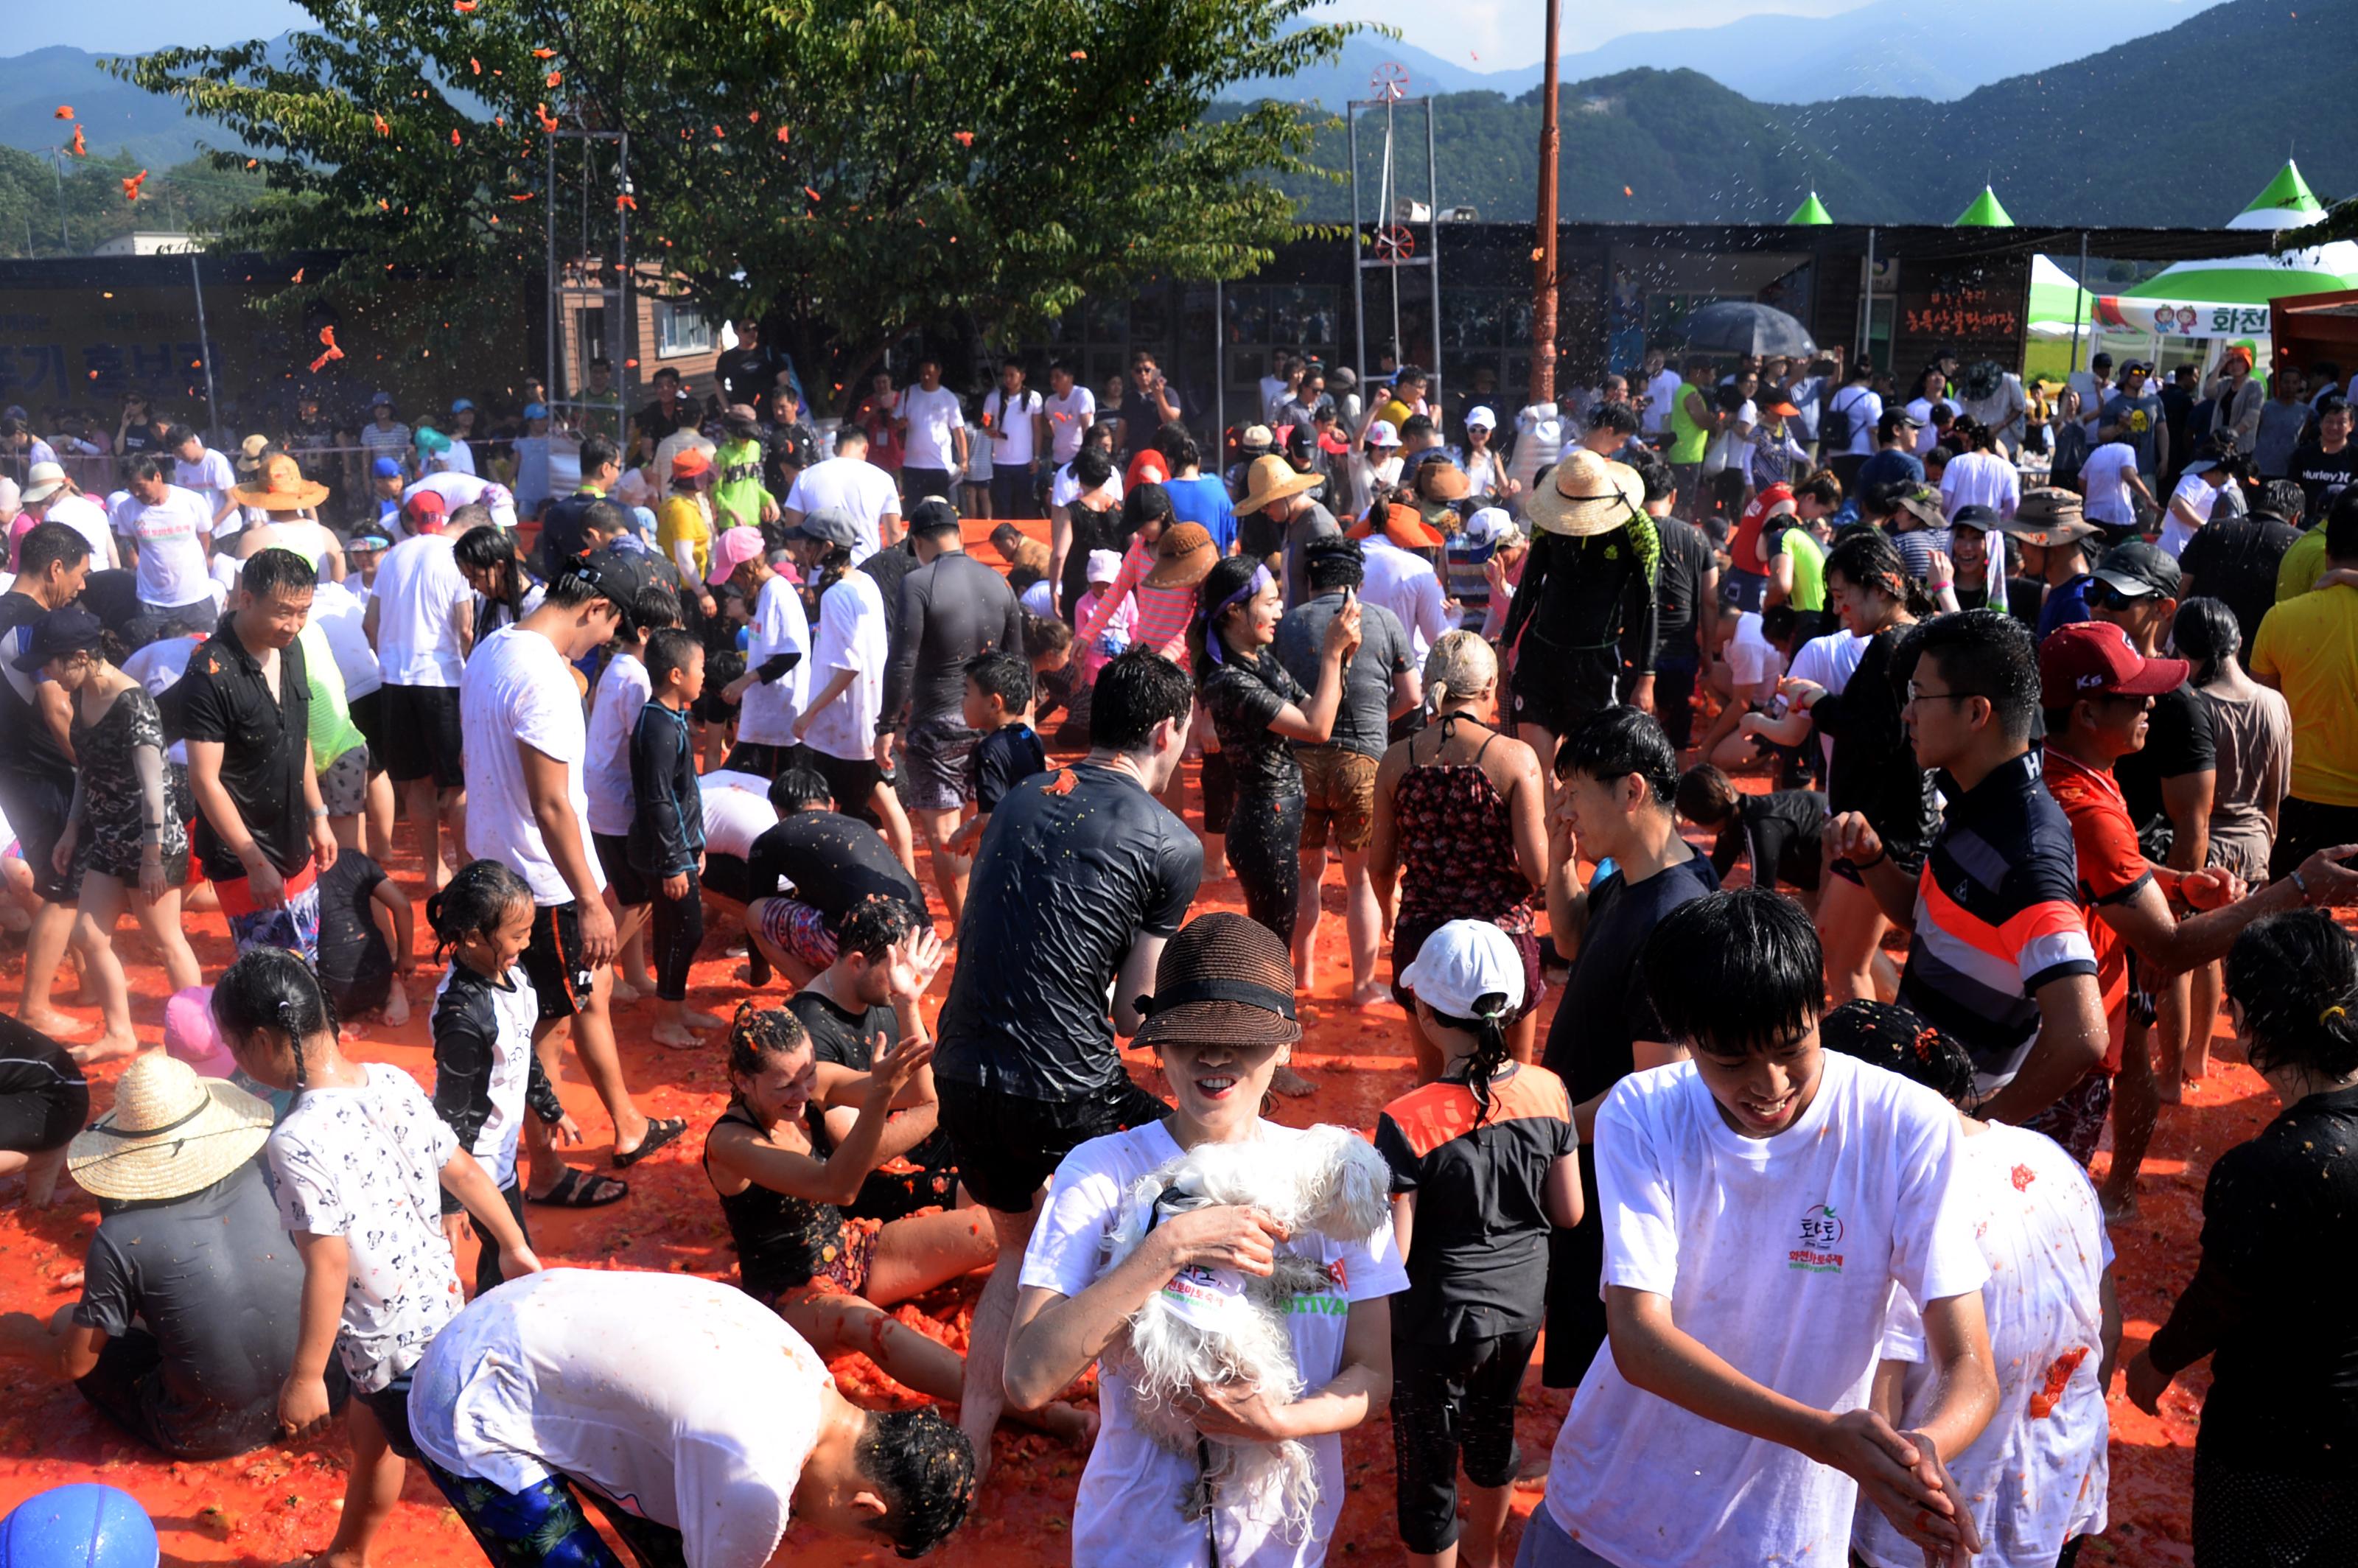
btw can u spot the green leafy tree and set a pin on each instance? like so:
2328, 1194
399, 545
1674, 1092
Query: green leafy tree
860, 168
87, 194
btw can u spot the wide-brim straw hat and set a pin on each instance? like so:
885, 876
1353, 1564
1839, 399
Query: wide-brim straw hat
170, 1133
1184, 556
283, 487
1586, 494
1274, 478
1223, 980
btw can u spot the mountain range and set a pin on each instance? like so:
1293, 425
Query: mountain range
1894, 49
2180, 128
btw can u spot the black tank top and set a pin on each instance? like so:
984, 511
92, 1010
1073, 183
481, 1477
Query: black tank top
779, 1237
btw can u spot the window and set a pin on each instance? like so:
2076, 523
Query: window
680, 330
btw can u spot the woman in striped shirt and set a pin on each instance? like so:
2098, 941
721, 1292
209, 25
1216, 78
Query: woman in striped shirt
1160, 571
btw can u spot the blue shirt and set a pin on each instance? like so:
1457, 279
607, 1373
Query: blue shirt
2065, 605
1889, 466
1205, 499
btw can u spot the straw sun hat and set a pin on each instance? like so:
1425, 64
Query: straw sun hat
170, 1133
1586, 495
1184, 556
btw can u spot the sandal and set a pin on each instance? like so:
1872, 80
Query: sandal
661, 1129
582, 1189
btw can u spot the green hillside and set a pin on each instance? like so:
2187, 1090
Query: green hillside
2175, 129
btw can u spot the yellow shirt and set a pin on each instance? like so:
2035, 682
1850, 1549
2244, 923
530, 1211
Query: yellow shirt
2303, 564
2308, 647
1397, 412
686, 519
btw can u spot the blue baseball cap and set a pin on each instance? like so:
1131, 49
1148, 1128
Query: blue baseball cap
460, 405
386, 468
535, 411
384, 398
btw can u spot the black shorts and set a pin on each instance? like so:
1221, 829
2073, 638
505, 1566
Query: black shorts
1008, 1146
631, 889
552, 961
368, 717
38, 809
852, 781
1558, 688
422, 736
937, 758
44, 1100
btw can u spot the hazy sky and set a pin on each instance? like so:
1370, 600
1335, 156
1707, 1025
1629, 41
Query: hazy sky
1477, 34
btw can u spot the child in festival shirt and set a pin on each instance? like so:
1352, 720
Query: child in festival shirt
1761, 1201
356, 1164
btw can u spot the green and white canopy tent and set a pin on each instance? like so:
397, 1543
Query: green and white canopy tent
2228, 297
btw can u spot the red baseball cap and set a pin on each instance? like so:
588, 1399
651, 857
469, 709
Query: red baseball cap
425, 513
2095, 658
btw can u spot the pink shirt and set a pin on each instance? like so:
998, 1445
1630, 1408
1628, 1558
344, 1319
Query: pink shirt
1162, 613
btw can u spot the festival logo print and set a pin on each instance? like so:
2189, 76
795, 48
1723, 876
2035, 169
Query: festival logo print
1819, 1250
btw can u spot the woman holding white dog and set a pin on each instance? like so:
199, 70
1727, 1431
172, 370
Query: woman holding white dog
1222, 1022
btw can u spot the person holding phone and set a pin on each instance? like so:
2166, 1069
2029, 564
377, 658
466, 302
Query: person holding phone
1256, 706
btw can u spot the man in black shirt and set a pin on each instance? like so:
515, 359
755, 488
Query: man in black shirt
562, 530
1687, 601
671, 411
752, 371
952, 609
867, 1000
2324, 465
1617, 777
1151, 404
2234, 559
37, 779
1084, 879
810, 871
247, 701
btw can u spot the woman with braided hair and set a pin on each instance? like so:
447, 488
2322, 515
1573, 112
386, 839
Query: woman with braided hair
2274, 1301
828, 1274
1485, 1163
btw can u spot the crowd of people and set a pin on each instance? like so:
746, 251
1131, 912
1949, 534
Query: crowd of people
1793, 1191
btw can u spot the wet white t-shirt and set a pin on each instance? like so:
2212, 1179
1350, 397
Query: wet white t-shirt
852, 635
1128, 1512
518, 688
1778, 1255
419, 589
365, 1163
857, 485
623, 689
2036, 1477
685, 1402
737, 811
766, 714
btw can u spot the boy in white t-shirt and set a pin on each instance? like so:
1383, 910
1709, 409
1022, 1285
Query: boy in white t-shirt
2191, 502
1761, 1201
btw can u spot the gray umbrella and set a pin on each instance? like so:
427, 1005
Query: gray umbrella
1747, 327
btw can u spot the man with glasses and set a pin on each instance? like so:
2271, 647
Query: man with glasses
2100, 690
1999, 957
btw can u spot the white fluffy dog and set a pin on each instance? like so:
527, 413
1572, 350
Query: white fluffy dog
1218, 1326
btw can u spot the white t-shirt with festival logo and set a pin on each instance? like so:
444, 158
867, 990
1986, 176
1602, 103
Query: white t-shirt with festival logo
685, 1402
365, 1163
1778, 1255
1128, 1513
171, 552
518, 688
2037, 1476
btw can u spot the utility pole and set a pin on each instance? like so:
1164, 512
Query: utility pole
1543, 285
57, 172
